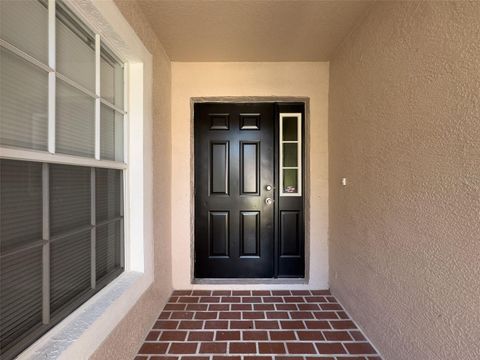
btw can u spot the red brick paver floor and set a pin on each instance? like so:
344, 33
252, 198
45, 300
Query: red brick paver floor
254, 325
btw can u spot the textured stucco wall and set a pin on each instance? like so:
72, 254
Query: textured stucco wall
404, 128
125, 340
246, 79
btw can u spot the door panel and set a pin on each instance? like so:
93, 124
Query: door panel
250, 121
219, 121
249, 168
237, 155
250, 233
289, 233
218, 231
234, 162
219, 168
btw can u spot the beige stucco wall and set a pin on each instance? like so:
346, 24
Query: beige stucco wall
404, 128
124, 341
191, 80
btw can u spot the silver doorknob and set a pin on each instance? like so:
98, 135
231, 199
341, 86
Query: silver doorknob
268, 201
268, 187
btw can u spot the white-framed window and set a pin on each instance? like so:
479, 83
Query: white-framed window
290, 154
63, 130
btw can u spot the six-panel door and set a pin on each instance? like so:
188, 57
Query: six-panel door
234, 163
244, 227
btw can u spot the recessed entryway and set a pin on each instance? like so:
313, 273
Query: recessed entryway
249, 203
242, 83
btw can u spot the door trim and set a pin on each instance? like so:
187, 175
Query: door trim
306, 189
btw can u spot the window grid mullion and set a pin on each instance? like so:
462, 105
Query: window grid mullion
97, 93
93, 232
45, 167
42, 156
108, 221
12, 48
112, 106
122, 222
51, 75
46, 245
126, 134
76, 85
19, 249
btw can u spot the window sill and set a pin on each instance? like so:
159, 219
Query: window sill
78, 336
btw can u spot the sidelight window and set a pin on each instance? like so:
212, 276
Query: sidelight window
290, 154
62, 168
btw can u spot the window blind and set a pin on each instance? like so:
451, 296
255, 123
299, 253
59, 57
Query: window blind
108, 186
70, 217
20, 250
24, 24
108, 217
69, 268
69, 199
21, 205
111, 134
107, 133
108, 250
23, 103
73, 195
20, 295
61, 225
75, 121
111, 78
75, 51
107, 78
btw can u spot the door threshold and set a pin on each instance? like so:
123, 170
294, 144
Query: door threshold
260, 281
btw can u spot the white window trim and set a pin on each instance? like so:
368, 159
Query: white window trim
80, 334
299, 153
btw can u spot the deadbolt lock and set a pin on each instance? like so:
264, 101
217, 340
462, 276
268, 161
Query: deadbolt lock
268, 187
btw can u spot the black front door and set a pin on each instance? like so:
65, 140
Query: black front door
236, 197
234, 164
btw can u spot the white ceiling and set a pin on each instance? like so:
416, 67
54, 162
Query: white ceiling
252, 30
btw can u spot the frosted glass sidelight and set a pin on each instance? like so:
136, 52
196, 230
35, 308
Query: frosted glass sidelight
24, 24
23, 103
75, 121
